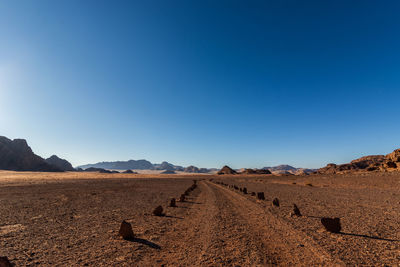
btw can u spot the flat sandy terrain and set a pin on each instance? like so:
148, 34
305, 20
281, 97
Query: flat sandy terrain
72, 219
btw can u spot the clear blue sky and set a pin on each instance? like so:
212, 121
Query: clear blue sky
244, 83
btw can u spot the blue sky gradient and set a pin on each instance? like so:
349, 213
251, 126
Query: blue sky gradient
243, 83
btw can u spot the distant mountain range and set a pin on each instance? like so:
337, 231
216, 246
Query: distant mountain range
144, 165
287, 169
16, 155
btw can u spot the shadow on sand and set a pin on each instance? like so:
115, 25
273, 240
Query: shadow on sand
371, 237
145, 242
174, 217
358, 235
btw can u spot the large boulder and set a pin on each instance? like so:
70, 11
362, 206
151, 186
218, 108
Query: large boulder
226, 170
16, 155
62, 164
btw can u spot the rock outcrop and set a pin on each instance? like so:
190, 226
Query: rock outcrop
62, 164
227, 170
16, 155
389, 162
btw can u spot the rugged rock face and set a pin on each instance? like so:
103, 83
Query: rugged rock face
368, 163
16, 155
227, 170
62, 164
394, 156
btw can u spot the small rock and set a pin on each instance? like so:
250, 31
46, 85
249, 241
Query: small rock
331, 224
253, 194
260, 195
158, 211
126, 231
182, 198
244, 190
275, 202
296, 211
172, 203
4, 262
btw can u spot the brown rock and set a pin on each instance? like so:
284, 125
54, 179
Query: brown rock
4, 262
125, 231
172, 203
331, 224
158, 211
260, 195
390, 164
394, 156
296, 211
275, 202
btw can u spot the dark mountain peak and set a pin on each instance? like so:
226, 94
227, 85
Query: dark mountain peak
16, 155
60, 163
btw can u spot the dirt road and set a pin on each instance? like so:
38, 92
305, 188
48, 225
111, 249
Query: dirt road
229, 229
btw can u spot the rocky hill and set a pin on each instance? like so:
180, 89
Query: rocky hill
287, 169
389, 162
121, 165
62, 164
226, 170
16, 155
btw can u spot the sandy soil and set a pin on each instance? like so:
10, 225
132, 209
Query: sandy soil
73, 220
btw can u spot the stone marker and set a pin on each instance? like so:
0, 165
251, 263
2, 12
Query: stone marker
4, 262
125, 231
172, 203
275, 202
158, 211
260, 195
331, 224
296, 211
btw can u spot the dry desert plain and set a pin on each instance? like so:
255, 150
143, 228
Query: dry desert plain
73, 219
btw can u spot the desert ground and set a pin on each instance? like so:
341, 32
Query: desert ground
73, 219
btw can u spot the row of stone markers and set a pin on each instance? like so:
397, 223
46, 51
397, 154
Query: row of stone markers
126, 228
330, 224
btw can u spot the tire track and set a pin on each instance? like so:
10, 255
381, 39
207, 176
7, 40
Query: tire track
282, 242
